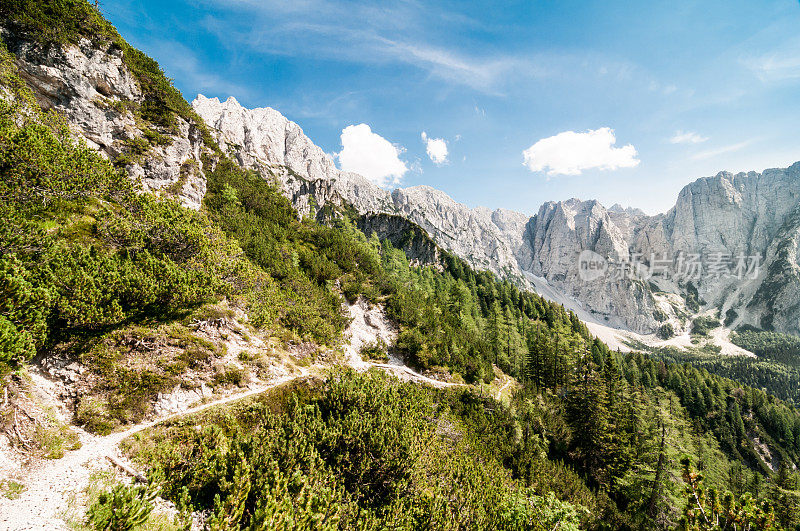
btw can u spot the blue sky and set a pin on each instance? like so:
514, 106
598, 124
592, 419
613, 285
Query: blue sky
624, 102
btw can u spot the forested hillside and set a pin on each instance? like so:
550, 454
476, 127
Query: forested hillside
89, 265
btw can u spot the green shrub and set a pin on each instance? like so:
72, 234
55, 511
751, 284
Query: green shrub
701, 326
730, 316
693, 300
123, 508
230, 375
94, 417
23, 311
376, 351
41, 163
666, 331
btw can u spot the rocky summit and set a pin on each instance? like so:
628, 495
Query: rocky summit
749, 215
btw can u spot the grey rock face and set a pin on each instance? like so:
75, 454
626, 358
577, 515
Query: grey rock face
734, 214
404, 235
264, 140
92, 88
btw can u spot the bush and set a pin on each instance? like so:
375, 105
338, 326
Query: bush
23, 311
701, 326
376, 351
666, 331
730, 317
124, 508
230, 375
41, 164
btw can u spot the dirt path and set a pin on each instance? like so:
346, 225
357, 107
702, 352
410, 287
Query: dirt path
51, 482
500, 391
370, 324
405, 372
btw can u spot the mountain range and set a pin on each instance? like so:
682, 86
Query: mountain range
745, 216
196, 296
749, 217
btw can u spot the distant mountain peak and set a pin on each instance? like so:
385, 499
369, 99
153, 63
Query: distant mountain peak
726, 213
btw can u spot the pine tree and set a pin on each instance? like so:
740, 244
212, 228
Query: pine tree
587, 408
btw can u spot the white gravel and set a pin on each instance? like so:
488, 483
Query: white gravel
50, 483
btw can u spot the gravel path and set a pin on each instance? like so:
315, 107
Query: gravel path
500, 392
50, 483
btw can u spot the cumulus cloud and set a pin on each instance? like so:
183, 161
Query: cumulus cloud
687, 137
371, 155
569, 153
436, 148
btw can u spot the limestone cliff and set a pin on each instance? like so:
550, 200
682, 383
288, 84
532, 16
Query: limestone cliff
744, 214
90, 84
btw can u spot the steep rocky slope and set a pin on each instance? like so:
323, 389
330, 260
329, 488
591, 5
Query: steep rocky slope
744, 215
264, 140
751, 214
93, 87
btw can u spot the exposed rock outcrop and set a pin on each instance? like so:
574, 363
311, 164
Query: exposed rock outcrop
91, 86
264, 140
747, 214
403, 234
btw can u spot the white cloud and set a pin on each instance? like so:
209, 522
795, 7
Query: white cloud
722, 150
436, 148
371, 155
669, 89
687, 137
780, 64
569, 153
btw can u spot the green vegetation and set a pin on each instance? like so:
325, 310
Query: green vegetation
96, 271
123, 508
701, 326
11, 489
666, 331
733, 413
781, 348
710, 510
730, 316
693, 300
69, 21
353, 452
376, 351
456, 318
778, 379
115, 505
370, 449
81, 250
132, 365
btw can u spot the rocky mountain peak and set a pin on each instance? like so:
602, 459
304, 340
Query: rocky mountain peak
616, 208
731, 213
